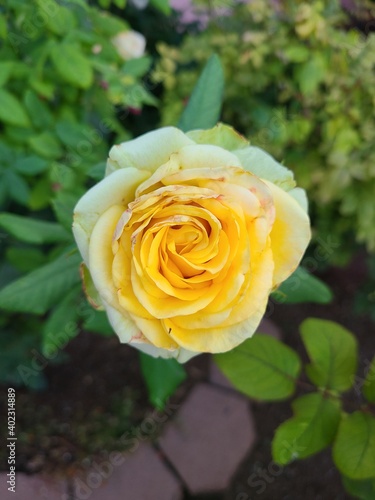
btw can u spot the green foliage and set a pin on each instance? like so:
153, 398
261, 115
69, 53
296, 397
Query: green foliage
333, 353
299, 83
38, 291
203, 109
262, 368
162, 377
354, 447
301, 287
311, 429
63, 86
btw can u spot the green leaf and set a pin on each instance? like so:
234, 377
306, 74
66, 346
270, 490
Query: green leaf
37, 291
17, 187
261, 367
106, 24
97, 171
3, 27
47, 145
310, 74
11, 110
121, 4
62, 323
368, 388
60, 21
33, 230
301, 287
333, 352
25, 259
30, 165
162, 377
311, 429
63, 206
39, 112
364, 490
162, 5
137, 67
72, 65
41, 194
354, 447
204, 106
5, 71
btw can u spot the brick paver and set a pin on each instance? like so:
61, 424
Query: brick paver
34, 487
140, 475
208, 438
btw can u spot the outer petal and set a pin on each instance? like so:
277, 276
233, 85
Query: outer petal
221, 135
118, 189
299, 195
180, 354
290, 234
260, 163
122, 324
148, 151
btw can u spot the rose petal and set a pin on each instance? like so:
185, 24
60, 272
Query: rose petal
148, 151
116, 189
290, 234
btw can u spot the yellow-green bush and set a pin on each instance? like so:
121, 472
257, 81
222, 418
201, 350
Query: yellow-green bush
299, 83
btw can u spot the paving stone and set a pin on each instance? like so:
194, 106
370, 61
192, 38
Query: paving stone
140, 475
217, 377
35, 487
209, 437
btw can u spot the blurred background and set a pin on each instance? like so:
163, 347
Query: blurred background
77, 76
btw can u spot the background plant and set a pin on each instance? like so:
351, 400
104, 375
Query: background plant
336, 408
298, 82
64, 93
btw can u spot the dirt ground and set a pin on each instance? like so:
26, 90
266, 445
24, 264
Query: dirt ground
99, 394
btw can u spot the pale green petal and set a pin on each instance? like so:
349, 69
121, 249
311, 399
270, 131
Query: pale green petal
122, 324
300, 196
260, 163
118, 188
148, 151
181, 355
221, 135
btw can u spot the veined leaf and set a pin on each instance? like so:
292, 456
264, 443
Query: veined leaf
33, 230
39, 290
333, 353
311, 429
354, 447
261, 367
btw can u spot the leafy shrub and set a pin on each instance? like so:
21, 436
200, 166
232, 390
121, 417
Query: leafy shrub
63, 89
267, 370
300, 85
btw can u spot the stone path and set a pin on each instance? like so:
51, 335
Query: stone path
200, 450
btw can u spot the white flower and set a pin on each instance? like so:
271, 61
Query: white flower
130, 44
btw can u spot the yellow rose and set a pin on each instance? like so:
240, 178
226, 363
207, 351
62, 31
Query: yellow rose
187, 235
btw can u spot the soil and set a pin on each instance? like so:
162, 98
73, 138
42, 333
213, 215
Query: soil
99, 395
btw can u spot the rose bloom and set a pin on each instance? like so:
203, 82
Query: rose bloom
185, 238
129, 44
